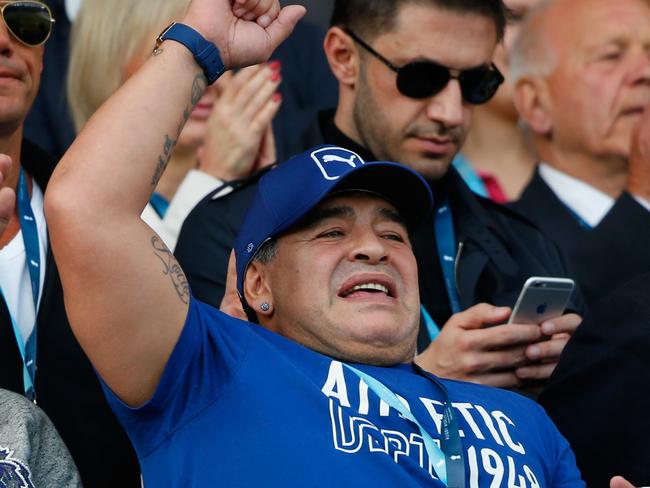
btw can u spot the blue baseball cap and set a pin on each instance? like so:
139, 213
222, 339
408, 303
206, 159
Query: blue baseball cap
288, 192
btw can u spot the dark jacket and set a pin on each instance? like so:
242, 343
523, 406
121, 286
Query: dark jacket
601, 259
598, 395
66, 385
500, 249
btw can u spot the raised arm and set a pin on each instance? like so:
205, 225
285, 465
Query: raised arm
125, 295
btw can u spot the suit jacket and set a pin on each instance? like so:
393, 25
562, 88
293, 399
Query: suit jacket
67, 388
500, 249
603, 258
598, 394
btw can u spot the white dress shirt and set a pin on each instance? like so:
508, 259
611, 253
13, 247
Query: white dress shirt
587, 202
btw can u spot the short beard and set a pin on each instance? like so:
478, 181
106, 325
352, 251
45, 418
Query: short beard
370, 122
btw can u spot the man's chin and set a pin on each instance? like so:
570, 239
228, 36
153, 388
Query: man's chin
432, 168
379, 354
382, 336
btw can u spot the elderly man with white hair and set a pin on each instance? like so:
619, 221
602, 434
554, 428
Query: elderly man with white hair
582, 74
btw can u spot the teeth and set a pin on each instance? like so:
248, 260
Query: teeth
370, 286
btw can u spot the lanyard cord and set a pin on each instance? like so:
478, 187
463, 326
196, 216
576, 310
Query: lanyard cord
446, 242
443, 224
447, 460
33, 261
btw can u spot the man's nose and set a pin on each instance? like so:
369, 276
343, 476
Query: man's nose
446, 106
641, 66
368, 247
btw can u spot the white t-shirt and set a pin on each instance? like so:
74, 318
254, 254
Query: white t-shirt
14, 275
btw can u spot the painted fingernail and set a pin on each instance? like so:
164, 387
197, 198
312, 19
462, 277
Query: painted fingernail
534, 352
275, 65
276, 76
277, 97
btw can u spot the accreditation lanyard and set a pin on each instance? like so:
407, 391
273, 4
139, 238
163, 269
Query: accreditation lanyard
33, 261
447, 460
443, 224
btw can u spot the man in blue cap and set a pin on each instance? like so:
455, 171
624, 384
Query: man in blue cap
410, 73
324, 390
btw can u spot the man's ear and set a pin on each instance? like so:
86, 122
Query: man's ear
533, 103
257, 290
342, 55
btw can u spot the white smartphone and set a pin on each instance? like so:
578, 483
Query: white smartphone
541, 298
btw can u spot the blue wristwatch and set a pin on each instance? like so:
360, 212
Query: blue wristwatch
205, 53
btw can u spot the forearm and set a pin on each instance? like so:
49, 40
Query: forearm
129, 140
126, 296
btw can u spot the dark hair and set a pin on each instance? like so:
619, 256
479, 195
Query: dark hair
369, 18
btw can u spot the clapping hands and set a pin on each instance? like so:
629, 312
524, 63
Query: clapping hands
239, 137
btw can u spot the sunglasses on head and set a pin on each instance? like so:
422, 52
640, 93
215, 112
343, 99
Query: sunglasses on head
28, 21
423, 79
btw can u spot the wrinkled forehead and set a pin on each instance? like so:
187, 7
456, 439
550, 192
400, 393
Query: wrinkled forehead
345, 204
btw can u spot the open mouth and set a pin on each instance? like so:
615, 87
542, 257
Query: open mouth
370, 288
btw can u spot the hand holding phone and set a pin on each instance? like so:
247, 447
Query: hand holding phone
542, 298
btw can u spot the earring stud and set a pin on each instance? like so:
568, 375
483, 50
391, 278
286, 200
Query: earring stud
265, 307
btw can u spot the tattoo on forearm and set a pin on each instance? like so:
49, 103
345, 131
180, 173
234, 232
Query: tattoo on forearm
172, 269
199, 86
163, 159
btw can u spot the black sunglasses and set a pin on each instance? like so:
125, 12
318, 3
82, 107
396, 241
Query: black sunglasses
423, 79
28, 21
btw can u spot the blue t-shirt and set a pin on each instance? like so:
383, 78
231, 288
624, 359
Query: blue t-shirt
240, 406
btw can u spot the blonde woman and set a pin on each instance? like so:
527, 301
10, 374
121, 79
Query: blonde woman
235, 113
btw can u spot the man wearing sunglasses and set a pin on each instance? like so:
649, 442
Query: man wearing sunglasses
409, 74
39, 356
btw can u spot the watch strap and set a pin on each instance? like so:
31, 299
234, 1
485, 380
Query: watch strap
205, 52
